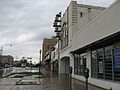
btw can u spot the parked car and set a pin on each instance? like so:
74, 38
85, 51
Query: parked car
23, 65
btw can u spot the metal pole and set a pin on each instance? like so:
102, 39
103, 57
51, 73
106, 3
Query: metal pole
1, 51
86, 84
70, 82
58, 56
40, 62
70, 76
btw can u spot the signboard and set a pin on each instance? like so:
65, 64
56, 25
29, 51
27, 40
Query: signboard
116, 52
29, 58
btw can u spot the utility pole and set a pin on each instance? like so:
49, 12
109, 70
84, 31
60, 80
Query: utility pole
40, 62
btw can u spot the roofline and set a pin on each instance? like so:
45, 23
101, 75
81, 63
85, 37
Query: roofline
89, 6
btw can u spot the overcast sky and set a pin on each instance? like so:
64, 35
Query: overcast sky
24, 23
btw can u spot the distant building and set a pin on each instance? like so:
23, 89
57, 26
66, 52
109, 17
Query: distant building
54, 59
7, 59
48, 45
48, 59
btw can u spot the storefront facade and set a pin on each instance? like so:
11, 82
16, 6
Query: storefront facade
97, 47
76, 16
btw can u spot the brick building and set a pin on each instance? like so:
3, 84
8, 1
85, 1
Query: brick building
48, 44
7, 59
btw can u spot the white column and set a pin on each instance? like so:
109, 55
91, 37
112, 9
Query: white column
72, 62
88, 58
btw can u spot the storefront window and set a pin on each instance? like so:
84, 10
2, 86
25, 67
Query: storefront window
106, 63
116, 52
101, 67
94, 64
75, 64
100, 58
79, 63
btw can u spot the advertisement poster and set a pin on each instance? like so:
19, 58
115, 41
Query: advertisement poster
116, 52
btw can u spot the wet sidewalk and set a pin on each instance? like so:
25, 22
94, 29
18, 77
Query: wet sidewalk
61, 82
52, 81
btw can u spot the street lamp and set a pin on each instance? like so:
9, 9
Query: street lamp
40, 62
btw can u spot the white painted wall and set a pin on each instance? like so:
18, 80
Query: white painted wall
62, 66
87, 16
67, 65
72, 62
88, 58
75, 21
102, 26
72, 16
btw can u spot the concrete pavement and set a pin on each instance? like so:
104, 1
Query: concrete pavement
52, 81
7, 83
61, 82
